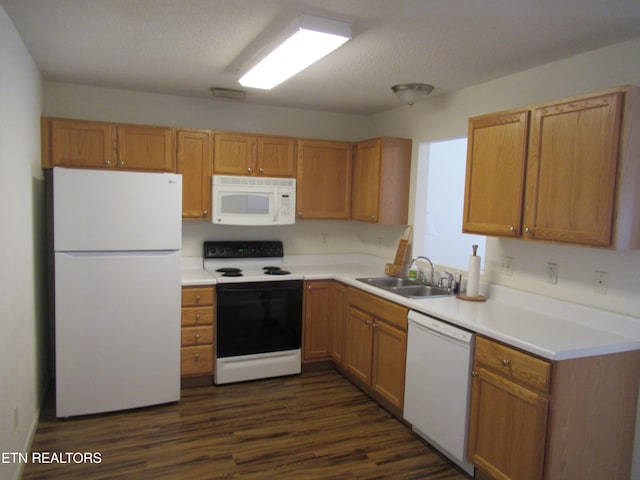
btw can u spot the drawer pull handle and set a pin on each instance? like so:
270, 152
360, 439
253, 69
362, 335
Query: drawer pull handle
197, 337
197, 298
505, 362
197, 316
197, 357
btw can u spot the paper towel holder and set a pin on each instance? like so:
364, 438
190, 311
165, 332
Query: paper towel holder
472, 298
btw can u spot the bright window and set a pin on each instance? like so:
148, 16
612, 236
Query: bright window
439, 205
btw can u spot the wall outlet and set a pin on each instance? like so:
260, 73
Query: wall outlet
600, 282
551, 273
506, 265
16, 418
325, 238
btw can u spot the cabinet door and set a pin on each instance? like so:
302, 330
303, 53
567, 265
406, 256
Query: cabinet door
317, 313
193, 152
323, 179
338, 306
358, 349
276, 156
389, 362
145, 148
571, 177
234, 153
366, 181
82, 144
496, 166
507, 428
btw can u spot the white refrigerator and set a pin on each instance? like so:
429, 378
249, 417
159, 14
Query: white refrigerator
116, 252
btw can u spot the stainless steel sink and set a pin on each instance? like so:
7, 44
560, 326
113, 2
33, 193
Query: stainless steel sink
406, 287
419, 291
390, 282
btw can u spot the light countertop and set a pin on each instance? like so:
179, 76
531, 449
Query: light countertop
549, 328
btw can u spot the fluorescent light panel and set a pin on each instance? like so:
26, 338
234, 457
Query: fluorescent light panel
313, 38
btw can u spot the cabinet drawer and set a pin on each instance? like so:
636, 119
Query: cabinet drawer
192, 316
196, 360
192, 336
192, 297
511, 363
383, 309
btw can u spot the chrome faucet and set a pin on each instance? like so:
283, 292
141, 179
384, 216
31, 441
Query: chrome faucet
421, 257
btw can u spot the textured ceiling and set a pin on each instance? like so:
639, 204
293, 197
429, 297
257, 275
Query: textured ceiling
185, 47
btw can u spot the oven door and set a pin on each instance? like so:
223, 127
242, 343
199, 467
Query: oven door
238, 205
258, 317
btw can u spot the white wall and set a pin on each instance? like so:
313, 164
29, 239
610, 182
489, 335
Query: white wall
23, 343
444, 117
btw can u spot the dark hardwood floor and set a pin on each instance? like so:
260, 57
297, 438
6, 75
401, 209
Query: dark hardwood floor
313, 426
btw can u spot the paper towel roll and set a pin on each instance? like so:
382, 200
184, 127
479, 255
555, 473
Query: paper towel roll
473, 282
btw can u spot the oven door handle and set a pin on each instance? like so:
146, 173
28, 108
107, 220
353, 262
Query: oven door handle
262, 286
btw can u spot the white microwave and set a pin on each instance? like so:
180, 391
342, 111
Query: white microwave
237, 200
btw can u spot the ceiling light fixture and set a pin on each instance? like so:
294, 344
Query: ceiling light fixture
309, 39
411, 93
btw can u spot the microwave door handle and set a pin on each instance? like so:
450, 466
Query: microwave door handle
276, 208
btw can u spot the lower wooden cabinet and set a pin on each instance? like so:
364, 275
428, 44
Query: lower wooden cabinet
532, 419
197, 334
323, 332
508, 412
375, 346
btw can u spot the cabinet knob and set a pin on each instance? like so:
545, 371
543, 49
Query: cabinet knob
261, 170
206, 212
197, 336
197, 298
197, 316
121, 163
506, 362
249, 169
474, 373
373, 218
107, 162
528, 231
197, 357
299, 214
512, 229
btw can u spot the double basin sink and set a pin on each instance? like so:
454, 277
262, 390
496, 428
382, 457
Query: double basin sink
407, 287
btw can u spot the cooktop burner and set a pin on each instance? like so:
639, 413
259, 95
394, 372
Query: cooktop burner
228, 270
275, 271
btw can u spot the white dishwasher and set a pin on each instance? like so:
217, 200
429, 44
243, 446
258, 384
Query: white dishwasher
438, 383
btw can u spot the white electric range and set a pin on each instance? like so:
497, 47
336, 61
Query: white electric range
258, 310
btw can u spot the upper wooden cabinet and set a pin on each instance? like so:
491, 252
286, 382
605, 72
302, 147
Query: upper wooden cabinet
193, 160
145, 148
323, 176
496, 165
76, 143
561, 172
84, 144
247, 154
381, 172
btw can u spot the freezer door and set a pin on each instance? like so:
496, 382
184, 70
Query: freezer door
117, 331
101, 210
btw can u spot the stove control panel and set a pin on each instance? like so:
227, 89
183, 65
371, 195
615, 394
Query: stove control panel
248, 249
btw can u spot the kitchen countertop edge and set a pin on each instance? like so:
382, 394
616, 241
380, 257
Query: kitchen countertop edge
548, 335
